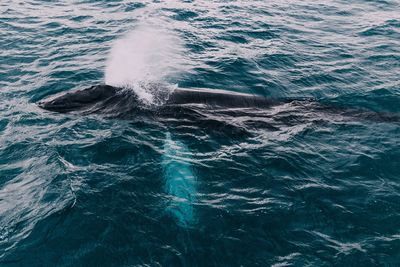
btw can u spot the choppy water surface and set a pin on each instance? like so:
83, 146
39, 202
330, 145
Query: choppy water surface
291, 185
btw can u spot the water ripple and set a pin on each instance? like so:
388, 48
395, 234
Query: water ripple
302, 183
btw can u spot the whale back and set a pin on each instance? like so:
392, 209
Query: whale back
218, 98
109, 99
124, 103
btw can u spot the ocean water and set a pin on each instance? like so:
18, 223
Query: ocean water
293, 185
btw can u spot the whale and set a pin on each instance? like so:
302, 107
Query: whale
121, 102
105, 98
186, 112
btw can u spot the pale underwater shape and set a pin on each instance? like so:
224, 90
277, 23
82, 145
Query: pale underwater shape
180, 181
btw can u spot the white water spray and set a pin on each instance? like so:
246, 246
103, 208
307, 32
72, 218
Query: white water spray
145, 60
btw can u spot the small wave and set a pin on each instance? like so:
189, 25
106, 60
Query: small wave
389, 28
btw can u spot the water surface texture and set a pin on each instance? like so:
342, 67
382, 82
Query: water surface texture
292, 185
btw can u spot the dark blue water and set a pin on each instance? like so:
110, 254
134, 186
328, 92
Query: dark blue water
293, 185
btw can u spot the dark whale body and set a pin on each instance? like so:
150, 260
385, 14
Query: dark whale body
102, 98
124, 103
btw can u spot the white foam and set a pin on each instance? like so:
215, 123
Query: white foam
143, 58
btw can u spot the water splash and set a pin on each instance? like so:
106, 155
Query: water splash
145, 60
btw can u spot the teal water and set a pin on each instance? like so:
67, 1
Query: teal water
287, 186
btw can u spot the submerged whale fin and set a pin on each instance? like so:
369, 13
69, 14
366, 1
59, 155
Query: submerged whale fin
180, 181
